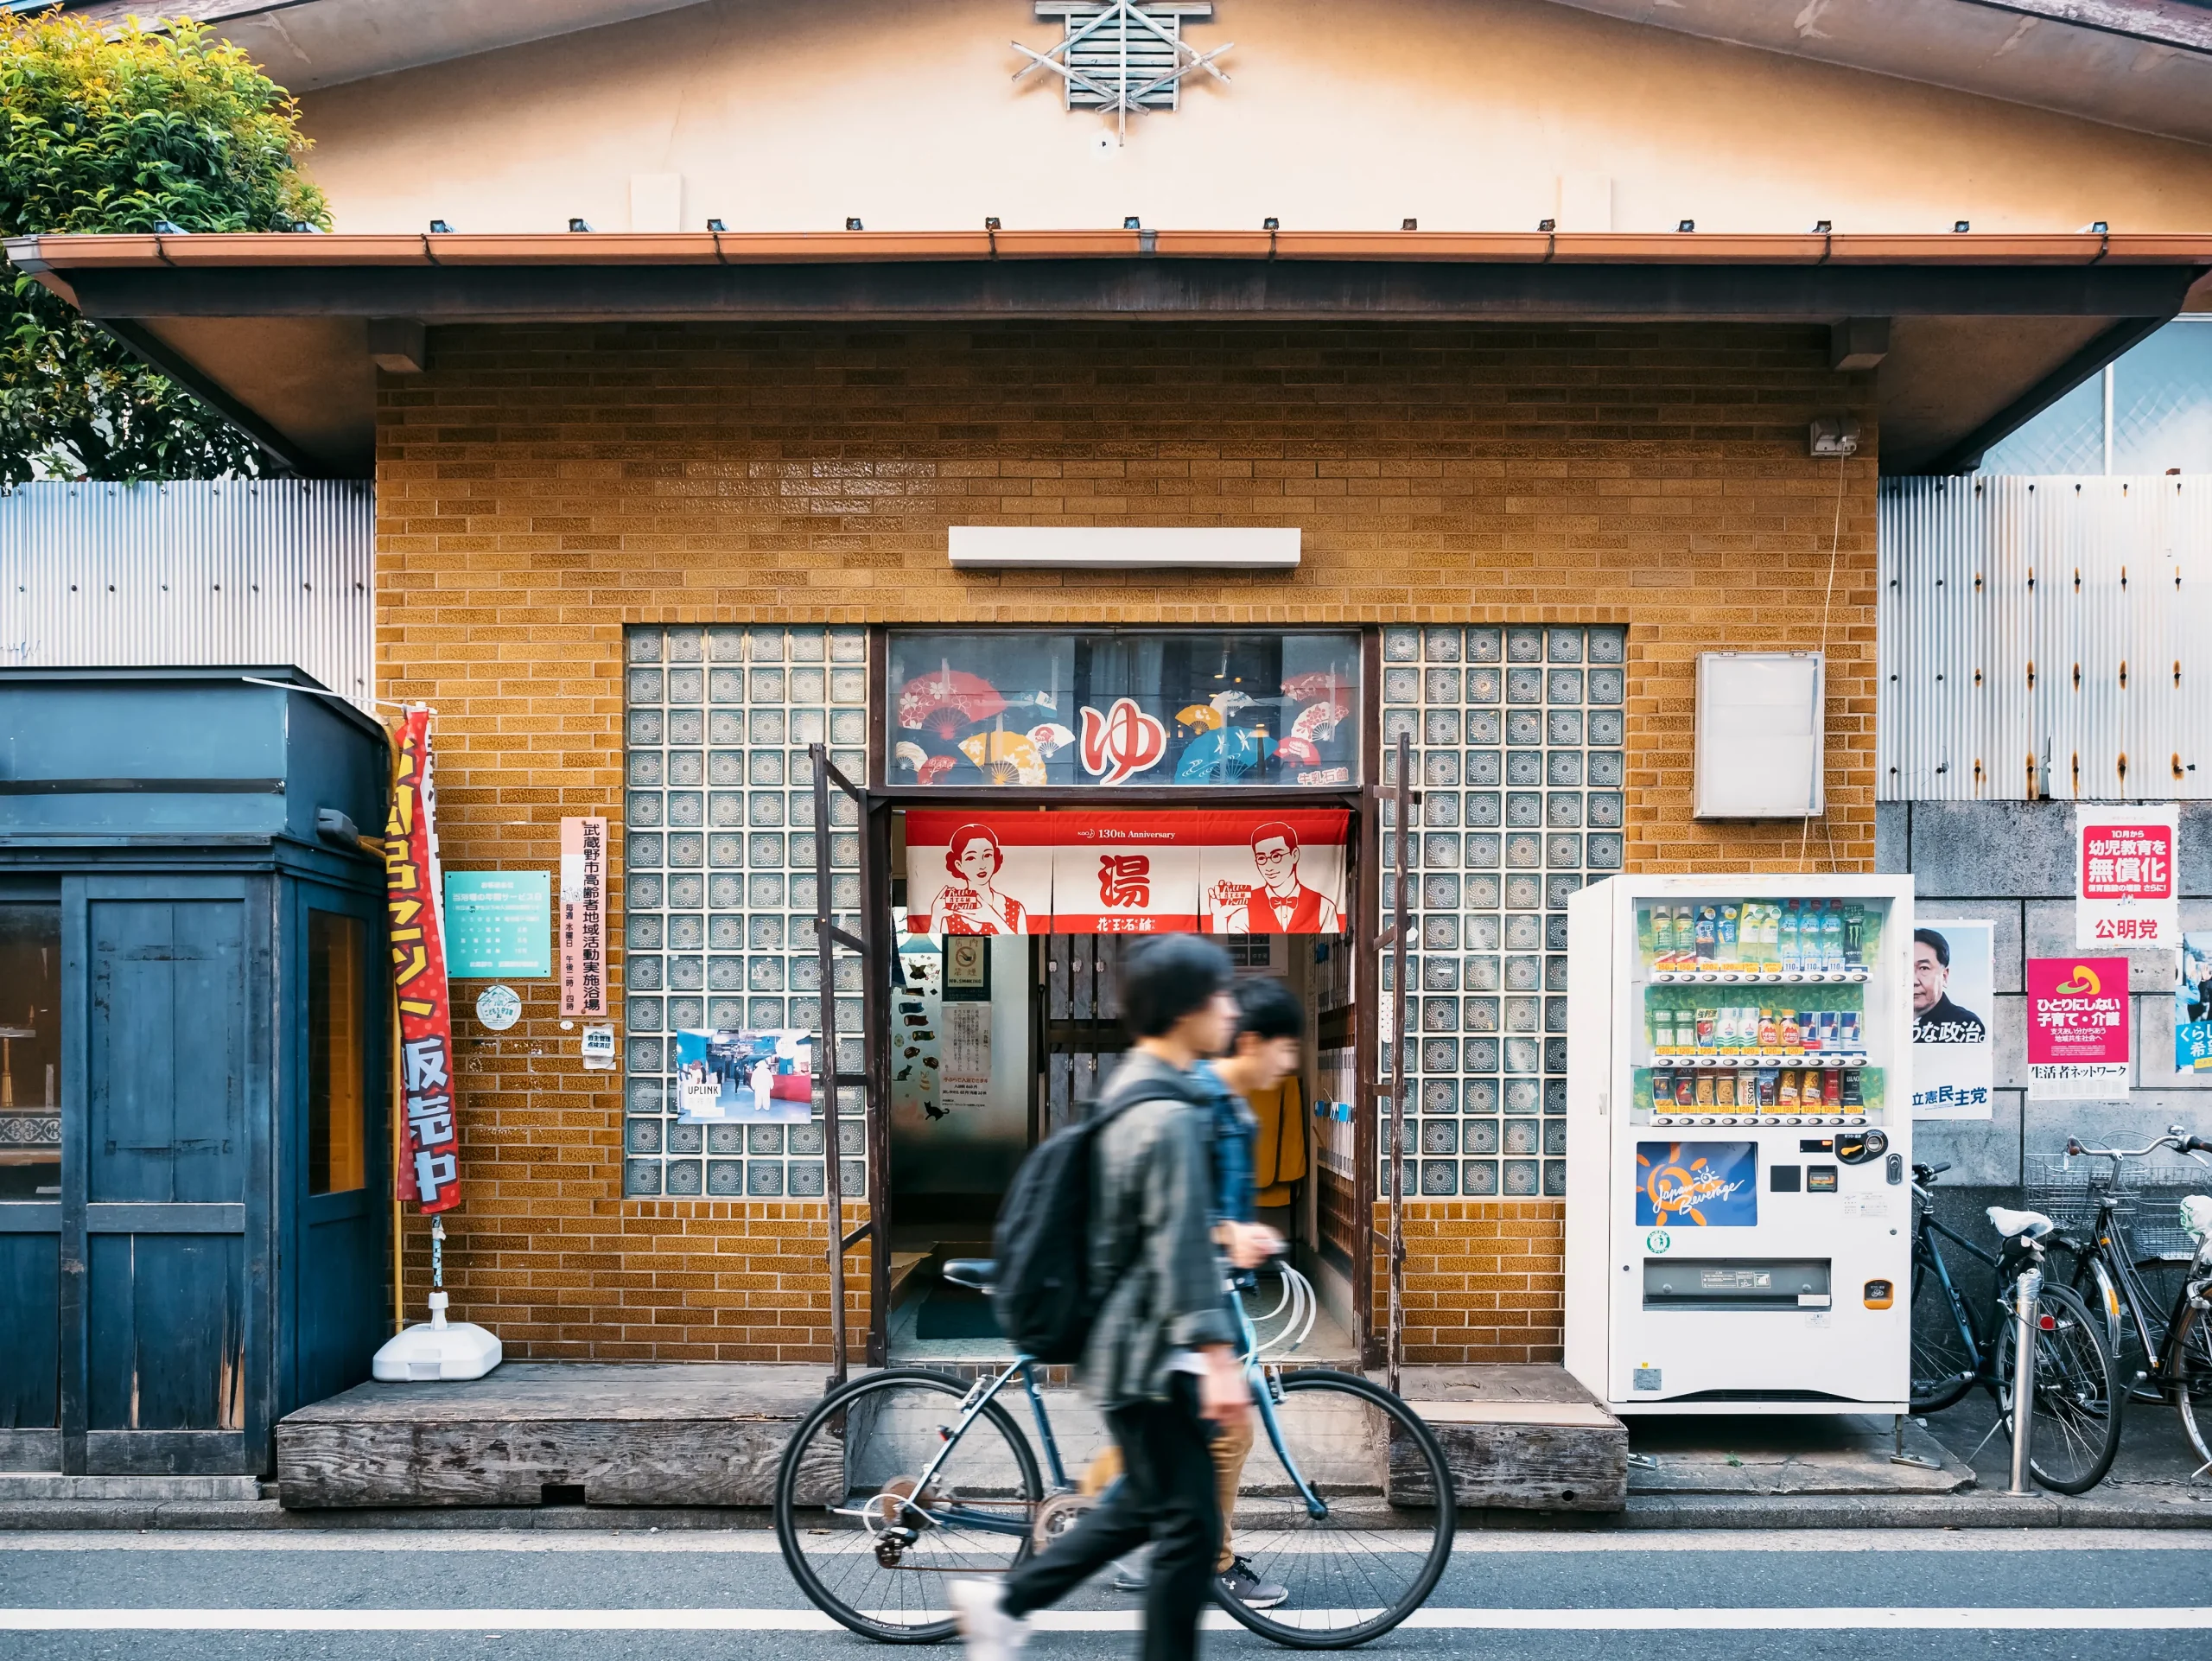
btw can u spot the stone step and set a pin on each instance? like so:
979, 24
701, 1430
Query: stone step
16, 1487
552, 1433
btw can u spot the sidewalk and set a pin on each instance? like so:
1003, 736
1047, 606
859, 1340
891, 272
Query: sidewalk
540, 1446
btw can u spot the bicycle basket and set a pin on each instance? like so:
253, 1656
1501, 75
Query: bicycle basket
2067, 1189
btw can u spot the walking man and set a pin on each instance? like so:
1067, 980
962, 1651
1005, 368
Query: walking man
1161, 1361
1263, 1051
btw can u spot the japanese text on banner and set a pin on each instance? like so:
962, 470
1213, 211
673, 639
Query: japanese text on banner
429, 1168
583, 917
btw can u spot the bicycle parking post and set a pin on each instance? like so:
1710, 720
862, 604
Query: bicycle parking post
2026, 1293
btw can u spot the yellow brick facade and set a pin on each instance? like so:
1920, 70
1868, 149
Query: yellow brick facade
540, 488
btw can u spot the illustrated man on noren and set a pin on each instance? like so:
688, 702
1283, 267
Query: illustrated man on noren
1935, 1019
1281, 904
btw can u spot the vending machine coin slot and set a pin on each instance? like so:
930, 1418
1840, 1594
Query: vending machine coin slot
1784, 1179
1820, 1179
1861, 1147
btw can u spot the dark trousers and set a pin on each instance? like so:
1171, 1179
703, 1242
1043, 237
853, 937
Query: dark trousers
1166, 1495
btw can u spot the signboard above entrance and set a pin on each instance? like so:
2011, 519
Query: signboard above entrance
1082, 872
1145, 708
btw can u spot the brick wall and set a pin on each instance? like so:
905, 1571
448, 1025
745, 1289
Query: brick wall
1484, 1279
539, 488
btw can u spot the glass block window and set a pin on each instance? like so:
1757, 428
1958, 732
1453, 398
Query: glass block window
1519, 743
719, 890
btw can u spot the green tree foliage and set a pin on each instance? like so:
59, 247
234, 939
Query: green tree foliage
117, 132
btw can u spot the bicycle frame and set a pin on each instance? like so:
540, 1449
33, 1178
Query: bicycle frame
1264, 1394
1960, 1309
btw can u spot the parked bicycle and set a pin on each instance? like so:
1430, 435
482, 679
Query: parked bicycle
908, 1476
2074, 1392
2142, 1255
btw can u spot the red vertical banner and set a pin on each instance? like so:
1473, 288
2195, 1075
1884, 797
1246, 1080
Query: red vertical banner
583, 917
430, 1169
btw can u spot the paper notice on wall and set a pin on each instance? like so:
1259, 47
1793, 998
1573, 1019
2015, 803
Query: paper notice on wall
1954, 1062
2125, 887
583, 917
2078, 1029
967, 1071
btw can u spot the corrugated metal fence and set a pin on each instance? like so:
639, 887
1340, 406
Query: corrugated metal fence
2046, 636
225, 571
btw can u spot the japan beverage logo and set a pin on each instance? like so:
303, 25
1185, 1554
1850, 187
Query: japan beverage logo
1122, 743
1697, 1185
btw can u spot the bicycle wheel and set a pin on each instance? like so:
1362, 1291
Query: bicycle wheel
1374, 1555
2191, 1345
2077, 1400
863, 1546
1942, 1359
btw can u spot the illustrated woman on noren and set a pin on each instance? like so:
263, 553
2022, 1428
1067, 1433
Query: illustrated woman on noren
970, 904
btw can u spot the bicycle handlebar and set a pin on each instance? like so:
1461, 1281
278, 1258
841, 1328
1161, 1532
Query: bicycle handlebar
2193, 1146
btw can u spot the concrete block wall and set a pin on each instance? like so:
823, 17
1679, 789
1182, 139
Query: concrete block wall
2012, 863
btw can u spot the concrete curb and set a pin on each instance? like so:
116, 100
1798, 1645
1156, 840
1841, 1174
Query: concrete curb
2169, 1509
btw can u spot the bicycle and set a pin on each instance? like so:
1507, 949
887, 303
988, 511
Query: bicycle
2148, 1278
908, 1475
2074, 1381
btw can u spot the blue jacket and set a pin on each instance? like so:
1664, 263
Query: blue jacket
1236, 1132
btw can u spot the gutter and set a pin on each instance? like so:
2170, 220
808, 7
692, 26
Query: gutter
51, 260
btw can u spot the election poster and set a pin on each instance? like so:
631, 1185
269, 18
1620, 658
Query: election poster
2078, 1029
1954, 1065
2126, 884
2193, 1006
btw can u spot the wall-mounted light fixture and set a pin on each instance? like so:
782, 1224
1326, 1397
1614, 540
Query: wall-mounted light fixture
440, 228
579, 225
851, 224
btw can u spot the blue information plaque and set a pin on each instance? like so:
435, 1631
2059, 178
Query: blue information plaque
499, 925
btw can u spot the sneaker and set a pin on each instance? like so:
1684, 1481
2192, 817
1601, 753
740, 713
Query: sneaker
1238, 1581
979, 1609
1132, 1573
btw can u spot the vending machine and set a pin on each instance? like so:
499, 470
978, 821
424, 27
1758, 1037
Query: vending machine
1739, 1198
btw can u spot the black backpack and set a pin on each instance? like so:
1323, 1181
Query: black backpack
1041, 1295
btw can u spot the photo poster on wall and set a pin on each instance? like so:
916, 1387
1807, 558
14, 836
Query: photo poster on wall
2193, 1006
916, 1004
1086, 872
750, 1077
1953, 1060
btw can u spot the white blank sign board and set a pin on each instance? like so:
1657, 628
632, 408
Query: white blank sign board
1759, 734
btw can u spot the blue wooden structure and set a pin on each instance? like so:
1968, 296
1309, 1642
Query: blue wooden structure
194, 1167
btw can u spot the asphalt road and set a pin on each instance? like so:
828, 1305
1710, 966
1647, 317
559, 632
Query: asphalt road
576, 1596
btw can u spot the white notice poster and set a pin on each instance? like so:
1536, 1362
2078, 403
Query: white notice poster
967, 1071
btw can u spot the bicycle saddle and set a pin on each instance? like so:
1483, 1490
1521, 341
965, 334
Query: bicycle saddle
978, 1272
2028, 1224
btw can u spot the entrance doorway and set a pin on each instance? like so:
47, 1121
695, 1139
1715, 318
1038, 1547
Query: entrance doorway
994, 1043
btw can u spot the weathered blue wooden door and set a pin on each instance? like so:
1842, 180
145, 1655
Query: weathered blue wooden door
30, 1173
164, 1295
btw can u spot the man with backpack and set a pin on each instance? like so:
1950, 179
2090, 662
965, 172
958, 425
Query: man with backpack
1263, 1052
1160, 1357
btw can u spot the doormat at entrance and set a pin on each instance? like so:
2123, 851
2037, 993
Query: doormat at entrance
952, 1311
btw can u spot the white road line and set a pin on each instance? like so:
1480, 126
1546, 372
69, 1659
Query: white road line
1471, 1542
807, 1620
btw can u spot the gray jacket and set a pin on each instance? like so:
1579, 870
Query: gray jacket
1152, 1242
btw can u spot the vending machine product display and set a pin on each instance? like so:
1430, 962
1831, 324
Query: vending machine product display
1739, 1207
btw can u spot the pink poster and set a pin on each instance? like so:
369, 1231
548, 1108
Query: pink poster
2077, 1028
